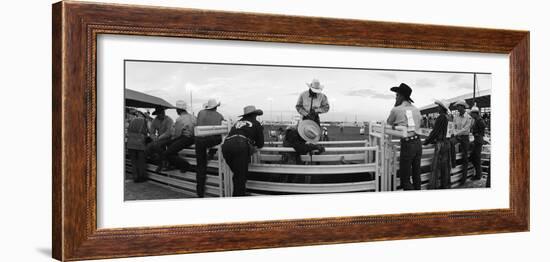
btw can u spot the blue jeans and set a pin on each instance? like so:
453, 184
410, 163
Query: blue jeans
409, 164
201, 147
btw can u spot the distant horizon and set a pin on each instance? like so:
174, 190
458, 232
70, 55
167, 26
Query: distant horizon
357, 93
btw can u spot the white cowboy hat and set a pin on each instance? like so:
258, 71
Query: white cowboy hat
461, 102
443, 103
252, 110
309, 131
180, 104
212, 103
315, 86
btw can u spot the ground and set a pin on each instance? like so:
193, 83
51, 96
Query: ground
149, 191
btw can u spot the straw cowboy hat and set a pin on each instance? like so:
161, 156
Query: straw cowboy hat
180, 104
309, 131
211, 104
404, 90
461, 102
443, 104
315, 86
248, 110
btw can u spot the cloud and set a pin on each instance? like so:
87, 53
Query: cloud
365, 92
388, 75
424, 83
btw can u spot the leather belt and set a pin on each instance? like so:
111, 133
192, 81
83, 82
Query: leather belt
410, 138
238, 135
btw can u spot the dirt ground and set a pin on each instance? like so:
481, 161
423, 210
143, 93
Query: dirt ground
148, 191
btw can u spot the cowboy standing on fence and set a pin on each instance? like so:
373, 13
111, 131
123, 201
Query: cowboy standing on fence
312, 102
243, 139
463, 123
407, 115
478, 130
440, 176
206, 117
182, 137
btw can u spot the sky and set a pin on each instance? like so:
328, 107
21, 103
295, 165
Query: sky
353, 94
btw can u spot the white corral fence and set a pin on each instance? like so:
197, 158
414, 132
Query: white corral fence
346, 166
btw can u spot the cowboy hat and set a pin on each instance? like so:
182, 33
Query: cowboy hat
158, 110
211, 104
315, 86
180, 104
404, 90
248, 110
461, 102
443, 104
309, 131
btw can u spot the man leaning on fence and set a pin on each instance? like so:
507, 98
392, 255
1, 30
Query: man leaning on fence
405, 114
243, 139
478, 130
440, 176
206, 117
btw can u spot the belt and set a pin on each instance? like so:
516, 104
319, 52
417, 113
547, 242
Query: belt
410, 138
237, 135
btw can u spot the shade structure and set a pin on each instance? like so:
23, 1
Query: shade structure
483, 99
141, 100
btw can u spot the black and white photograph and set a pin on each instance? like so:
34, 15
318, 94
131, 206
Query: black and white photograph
205, 130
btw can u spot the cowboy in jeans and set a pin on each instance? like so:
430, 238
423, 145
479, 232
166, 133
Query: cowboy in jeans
135, 146
440, 176
312, 102
478, 130
407, 115
206, 117
243, 139
463, 123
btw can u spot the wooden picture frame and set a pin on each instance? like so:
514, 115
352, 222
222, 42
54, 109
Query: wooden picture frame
76, 26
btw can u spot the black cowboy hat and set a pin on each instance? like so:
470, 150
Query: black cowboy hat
404, 90
157, 110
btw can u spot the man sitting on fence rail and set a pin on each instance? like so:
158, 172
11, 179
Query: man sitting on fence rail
206, 117
181, 138
440, 176
243, 139
161, 135
304, 139
406, 114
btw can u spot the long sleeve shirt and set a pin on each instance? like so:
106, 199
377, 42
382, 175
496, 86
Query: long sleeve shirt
439, 132
208, 117
478, 129
406, 115
462, 124
162, 128
250, 128
184, 125
308, 101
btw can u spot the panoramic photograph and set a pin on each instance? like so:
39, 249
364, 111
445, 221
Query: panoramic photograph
206, 130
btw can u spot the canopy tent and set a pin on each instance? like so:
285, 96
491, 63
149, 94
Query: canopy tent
483, 99
142, 100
